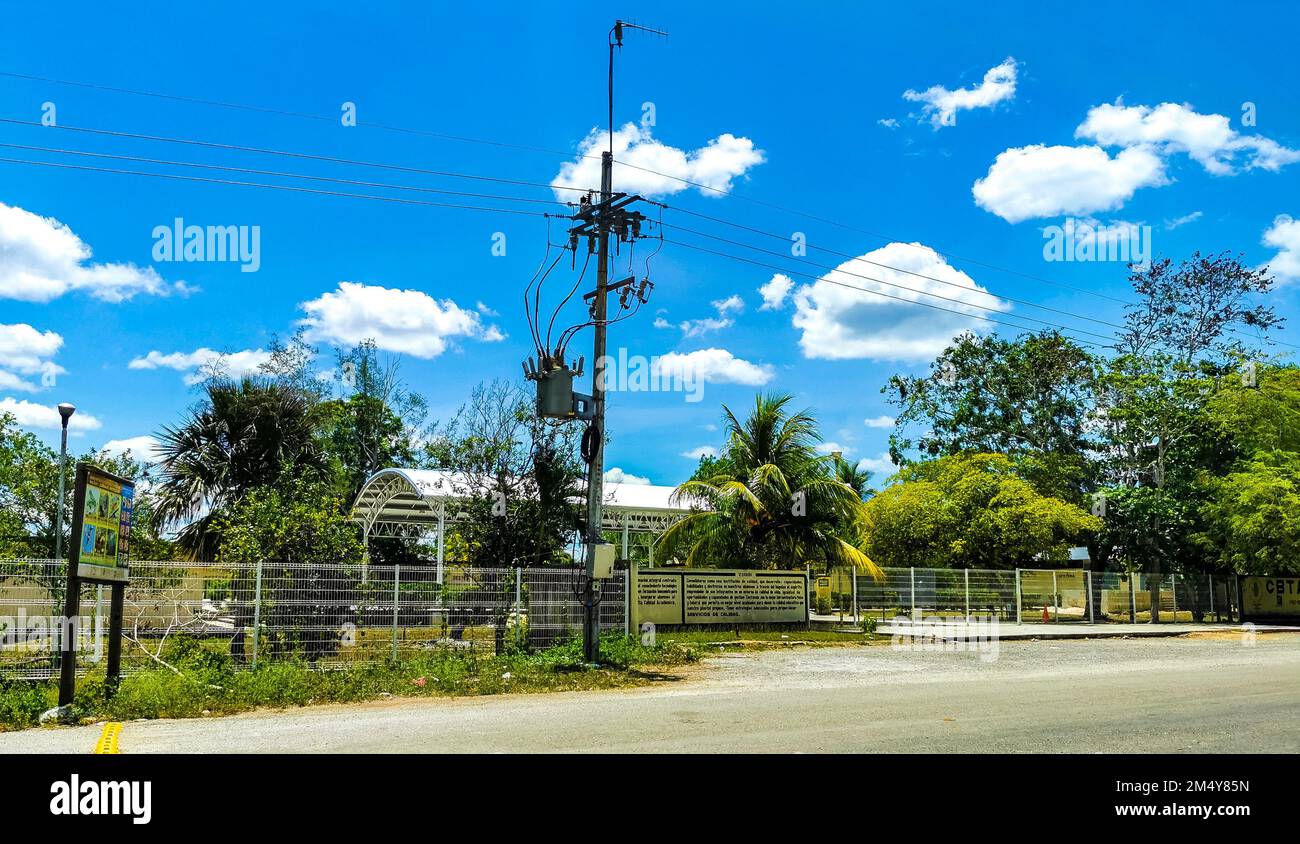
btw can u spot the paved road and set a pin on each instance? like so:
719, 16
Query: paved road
1194, 695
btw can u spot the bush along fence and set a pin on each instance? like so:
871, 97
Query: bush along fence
340, 615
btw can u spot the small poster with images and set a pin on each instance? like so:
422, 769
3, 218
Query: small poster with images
102, 525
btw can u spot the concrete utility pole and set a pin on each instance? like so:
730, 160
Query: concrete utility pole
596, 470
601, 216
610, 214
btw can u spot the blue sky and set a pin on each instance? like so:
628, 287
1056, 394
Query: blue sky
1115, 115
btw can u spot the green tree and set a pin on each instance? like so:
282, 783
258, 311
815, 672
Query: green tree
244, 435
29, 494
1182, 334
971, 511
1252, 516
1034, 394
519, 474
1249, 517
375, 425
774, 503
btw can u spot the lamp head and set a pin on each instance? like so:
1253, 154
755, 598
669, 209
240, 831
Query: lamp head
66, 410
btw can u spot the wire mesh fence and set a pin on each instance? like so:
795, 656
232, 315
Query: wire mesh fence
334, 616
330, 616
1049, 595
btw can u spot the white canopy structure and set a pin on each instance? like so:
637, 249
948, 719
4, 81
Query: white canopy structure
411, 502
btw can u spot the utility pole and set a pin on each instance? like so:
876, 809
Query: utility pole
600, 216
596, 469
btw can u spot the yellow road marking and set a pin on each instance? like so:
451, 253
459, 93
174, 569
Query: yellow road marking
108, 739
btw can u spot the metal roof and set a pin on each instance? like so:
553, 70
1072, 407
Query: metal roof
406, 501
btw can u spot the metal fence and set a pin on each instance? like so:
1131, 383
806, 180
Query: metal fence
328, 616
338, 615
1042, 595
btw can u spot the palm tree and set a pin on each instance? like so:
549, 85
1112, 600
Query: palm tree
246, 434
772, 501
852, 476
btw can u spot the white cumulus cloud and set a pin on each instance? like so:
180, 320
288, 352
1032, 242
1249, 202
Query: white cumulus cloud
203, 363
841, 323
26, 351
698, 327
712, 366
879, 466
32, 415
700, 451
405, 321
615, 475
636, 153
143, 448
1208, 139
941, 104
42, 259
1284, 235
774, 293
1043, 181
879, 422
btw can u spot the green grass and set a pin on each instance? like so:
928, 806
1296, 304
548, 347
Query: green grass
209, 683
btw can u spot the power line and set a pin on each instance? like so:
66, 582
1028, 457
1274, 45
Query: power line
526, 147
178, 177
863, 259
452, 174
566, 155
878, 235
277, 173
888, 295
405, 130
292, 154
556, 313
899, 270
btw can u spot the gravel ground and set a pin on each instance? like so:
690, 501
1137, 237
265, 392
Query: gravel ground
1210, 694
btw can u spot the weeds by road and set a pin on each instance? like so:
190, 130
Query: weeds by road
209, 683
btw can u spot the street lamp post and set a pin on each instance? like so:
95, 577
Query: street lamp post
65, 411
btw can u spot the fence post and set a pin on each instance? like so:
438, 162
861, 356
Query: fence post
627, 599
99, 623
966, 577
1173, 589
257, 611
856, 620
1211, 577
911, 572
1133, 597
1056, 599
519, 605
1236, 598
397, 580
1018, 596
1092, 604
442, 529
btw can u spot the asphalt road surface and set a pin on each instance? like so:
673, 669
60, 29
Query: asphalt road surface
1199, 695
